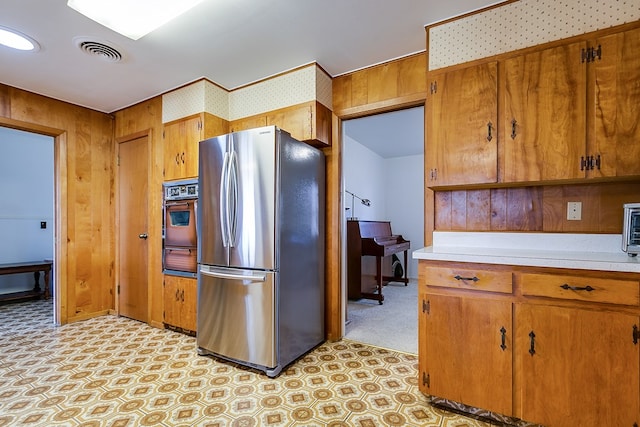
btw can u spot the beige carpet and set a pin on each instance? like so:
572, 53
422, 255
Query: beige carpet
392, 325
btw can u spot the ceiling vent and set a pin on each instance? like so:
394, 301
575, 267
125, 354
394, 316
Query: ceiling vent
98, 48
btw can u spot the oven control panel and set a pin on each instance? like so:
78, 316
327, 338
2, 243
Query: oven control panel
181, 190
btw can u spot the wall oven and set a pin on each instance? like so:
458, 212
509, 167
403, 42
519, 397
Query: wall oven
631, 229
180, 227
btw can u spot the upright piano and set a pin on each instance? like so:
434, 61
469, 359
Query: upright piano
370, 245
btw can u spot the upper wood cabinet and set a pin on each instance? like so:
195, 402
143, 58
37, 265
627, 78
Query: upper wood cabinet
309, 122
544, 115
614, 119
461, 123
572, 111
181, 139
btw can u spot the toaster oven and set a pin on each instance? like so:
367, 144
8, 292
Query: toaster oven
631, 229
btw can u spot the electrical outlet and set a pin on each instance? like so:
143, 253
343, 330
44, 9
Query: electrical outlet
574, 211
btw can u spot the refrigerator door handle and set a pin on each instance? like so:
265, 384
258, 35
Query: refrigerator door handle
232, 223
224, 217
255, 277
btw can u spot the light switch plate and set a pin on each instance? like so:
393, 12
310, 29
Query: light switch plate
574, 211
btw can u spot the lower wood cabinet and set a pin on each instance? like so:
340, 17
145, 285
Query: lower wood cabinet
180, 303
479, 360
576, 367
559, 348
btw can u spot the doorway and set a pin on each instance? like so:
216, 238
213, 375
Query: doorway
132, 285
383, 162
27, 213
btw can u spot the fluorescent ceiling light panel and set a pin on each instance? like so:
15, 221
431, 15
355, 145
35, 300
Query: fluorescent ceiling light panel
130, 18
14, 39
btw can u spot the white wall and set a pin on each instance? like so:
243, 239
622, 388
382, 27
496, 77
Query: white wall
26, 189
360, 170
405, 202
395, 188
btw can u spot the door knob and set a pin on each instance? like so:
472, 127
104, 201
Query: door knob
143, 235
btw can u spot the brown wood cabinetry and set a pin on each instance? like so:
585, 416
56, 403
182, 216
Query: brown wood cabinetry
180, 303
461, 118
569, 113
613, 132
576, 366
477, 360
181, 138
560, 348
545, 110
309, 122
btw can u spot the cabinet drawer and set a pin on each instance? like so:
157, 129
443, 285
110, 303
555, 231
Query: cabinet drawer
481, 280
592, 289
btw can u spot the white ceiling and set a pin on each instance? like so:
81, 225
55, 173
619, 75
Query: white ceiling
395, 134
230, 42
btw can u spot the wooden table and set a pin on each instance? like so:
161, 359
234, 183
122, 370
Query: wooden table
34, 267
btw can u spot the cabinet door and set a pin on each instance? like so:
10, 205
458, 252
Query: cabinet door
192, 137
174, 134
461, 124
295, 120
181, 140
615, 136
248, 123
544, 115
171, 300
189, 304
467, 351
576, 367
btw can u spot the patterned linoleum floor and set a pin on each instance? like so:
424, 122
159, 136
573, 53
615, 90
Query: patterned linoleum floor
112, 371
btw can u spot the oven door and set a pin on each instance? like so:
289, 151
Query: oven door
180, 223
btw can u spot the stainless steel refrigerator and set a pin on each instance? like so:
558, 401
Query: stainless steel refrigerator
260, 248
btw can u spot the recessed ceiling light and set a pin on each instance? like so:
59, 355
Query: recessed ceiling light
17, 40
132, 19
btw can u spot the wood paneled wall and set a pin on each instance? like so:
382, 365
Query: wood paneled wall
84, 201
539, 209
386, 87
147, 117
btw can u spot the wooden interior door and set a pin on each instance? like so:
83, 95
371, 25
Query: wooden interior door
580, 367
468, 350
133, 175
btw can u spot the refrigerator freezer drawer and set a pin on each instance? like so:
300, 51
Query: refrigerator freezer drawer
236, 315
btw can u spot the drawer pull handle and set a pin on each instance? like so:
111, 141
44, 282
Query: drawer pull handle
503, 335
577, 288
458, 277
532, 349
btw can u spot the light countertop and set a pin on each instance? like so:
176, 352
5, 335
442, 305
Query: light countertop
576, 251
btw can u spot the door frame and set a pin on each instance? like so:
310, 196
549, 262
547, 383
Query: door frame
336, 228
59, 276
147, 134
